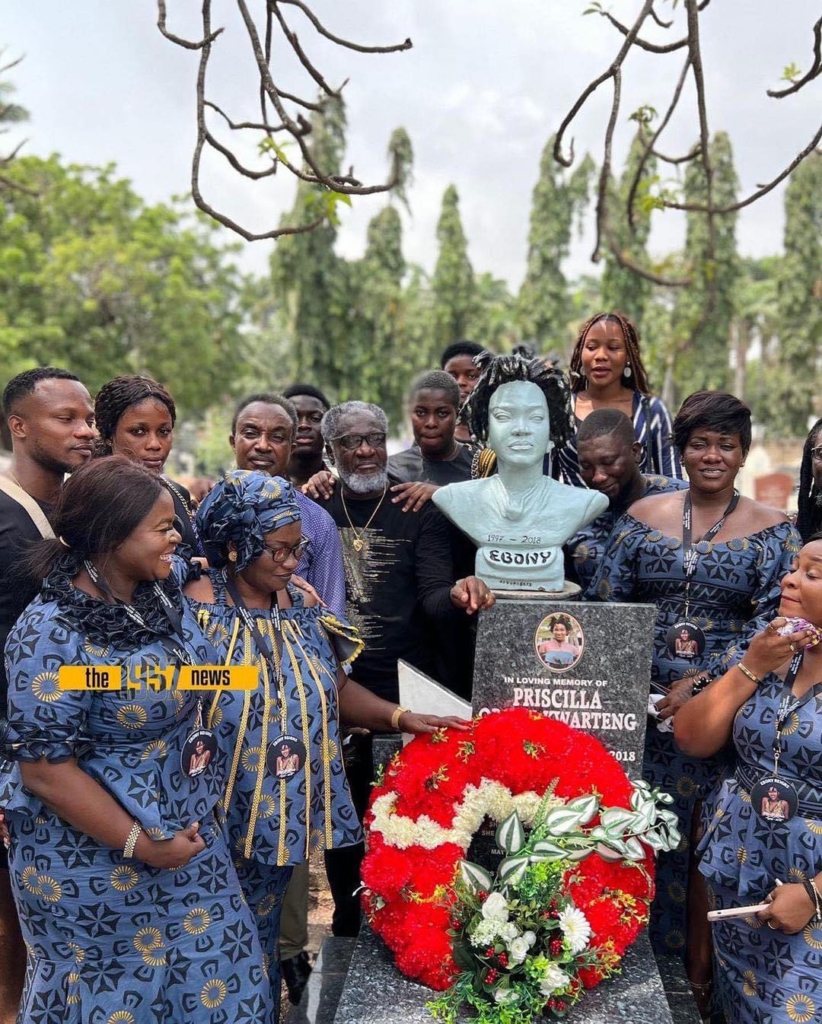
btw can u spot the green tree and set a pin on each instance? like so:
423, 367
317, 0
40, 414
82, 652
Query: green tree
494, 320
622, 288
795, 377
705, 309
307, 276
94, 279
380, 363
453, 282
557, 200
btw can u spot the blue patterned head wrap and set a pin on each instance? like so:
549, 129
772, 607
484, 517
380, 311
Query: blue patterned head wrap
243, 507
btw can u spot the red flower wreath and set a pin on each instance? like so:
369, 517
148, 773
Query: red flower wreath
409, 887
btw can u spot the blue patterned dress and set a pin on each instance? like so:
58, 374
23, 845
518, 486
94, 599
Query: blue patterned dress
274, 823
114, 941
764, 976
734, 593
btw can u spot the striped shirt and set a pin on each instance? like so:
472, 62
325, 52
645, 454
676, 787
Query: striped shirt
652, 428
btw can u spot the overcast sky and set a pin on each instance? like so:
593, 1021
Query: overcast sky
481, 91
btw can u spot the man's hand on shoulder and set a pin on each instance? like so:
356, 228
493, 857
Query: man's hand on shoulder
414, 493
321, 485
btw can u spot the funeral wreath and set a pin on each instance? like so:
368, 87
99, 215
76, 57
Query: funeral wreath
570, 893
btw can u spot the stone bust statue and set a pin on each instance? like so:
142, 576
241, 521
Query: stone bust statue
519, 519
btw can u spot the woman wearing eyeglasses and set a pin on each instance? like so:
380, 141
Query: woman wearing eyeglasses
251, 529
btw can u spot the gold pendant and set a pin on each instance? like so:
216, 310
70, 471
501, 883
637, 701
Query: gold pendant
358, 544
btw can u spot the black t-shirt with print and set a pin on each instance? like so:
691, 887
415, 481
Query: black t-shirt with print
397, 584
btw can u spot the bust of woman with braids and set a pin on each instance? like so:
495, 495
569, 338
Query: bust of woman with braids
519, 519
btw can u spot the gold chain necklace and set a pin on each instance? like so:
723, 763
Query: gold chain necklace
358, 543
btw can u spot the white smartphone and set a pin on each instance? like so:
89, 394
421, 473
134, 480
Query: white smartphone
723, 915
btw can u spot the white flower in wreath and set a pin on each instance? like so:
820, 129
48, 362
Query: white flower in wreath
576, 929
530, 938
554, 980
484, 934
504, 996
518, 949
495, 908
508, 931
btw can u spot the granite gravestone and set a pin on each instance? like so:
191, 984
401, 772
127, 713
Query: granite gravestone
592, 672
589, 665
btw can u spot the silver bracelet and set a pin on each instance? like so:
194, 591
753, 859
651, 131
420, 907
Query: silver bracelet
131, 840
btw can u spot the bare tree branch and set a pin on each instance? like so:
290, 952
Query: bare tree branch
295, 46
260, 126
692, 154
644, 44
815, 70
650, 140
188, 44
659, 21
289, 125
315, 21
652, 143
605, 171
593, 86
761, 191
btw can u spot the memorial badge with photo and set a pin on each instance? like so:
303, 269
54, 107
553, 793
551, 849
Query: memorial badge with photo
285, 757
559, 642
774, 799
199, 751
685, 640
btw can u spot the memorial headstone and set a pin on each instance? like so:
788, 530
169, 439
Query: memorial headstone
588, 665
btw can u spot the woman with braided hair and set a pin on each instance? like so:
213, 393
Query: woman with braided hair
135, 417
809, 513
607, 373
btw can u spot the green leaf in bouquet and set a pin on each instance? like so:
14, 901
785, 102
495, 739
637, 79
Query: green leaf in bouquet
644, 817
654, 840
577, 847
609, 852
463, 957
633, 849
585, 806
547, 849
562, 820
512, 869
616, 819
475, 877
510, 834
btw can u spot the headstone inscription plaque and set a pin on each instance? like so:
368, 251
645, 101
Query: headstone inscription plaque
588, 665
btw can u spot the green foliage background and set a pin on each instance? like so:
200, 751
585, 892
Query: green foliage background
95, 279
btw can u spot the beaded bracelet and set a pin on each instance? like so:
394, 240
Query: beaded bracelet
700, 682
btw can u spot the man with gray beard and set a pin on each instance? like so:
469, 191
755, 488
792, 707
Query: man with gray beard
398, 566
398, 573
